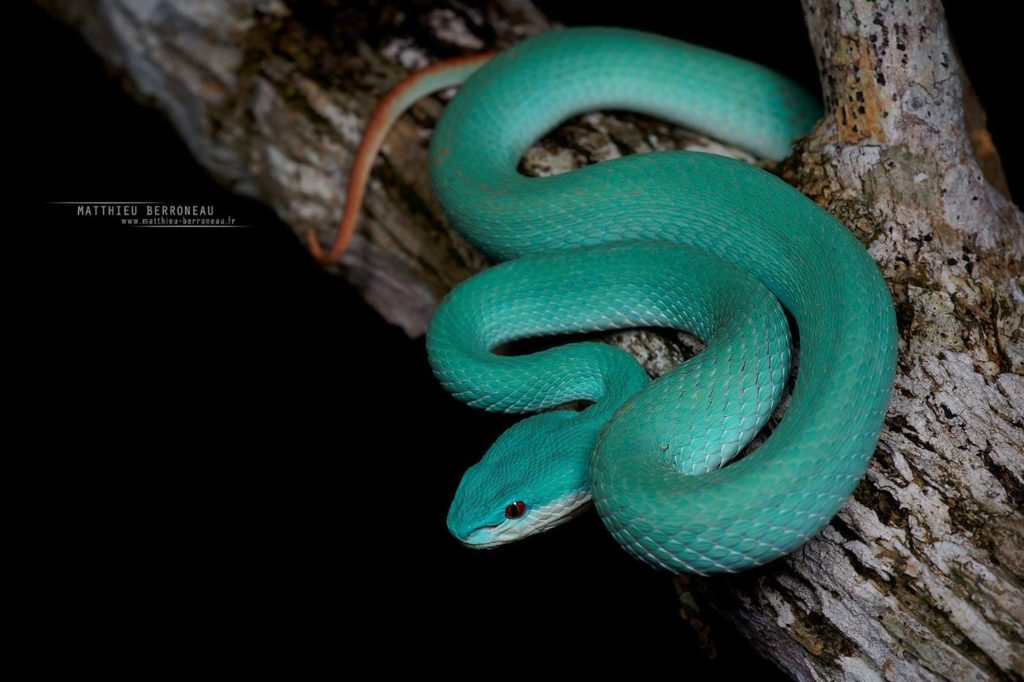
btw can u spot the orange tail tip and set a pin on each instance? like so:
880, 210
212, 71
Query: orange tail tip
314, 247
444, 74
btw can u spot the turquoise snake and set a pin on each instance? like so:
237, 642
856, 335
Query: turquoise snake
683, 240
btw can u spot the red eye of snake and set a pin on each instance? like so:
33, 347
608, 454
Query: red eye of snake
515, 510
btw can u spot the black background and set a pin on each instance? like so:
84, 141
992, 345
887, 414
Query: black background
241, 459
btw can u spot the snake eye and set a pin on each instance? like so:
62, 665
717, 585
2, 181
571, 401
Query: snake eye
515, 510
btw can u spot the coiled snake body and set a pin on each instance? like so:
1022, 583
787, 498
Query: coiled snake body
674, 239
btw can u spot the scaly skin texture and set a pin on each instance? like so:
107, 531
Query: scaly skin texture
651, 456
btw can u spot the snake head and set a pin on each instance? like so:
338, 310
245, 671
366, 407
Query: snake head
533, 478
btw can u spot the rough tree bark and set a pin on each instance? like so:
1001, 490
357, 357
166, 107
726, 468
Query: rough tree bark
919, 577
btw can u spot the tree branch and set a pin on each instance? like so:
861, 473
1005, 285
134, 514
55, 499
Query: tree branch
919, 575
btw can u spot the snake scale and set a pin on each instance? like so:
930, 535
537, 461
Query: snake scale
683, 240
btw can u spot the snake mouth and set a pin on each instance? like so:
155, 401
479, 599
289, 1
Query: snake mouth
537, 520
484, 538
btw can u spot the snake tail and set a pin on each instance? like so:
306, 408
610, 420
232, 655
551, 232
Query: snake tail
439, 76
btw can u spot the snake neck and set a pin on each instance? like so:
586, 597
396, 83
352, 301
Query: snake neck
541, 465
616, 377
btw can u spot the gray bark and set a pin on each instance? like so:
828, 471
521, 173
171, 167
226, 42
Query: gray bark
919, 577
